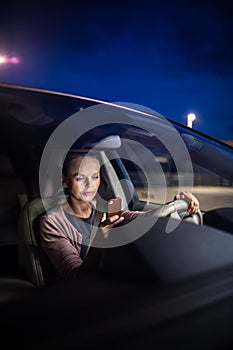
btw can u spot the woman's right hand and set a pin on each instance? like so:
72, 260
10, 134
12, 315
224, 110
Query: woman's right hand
107, 223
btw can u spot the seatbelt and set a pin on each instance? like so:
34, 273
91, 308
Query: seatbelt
95, 227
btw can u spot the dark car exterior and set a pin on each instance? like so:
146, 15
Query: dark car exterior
169, 287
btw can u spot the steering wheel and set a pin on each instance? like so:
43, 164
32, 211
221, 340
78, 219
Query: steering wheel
180, 206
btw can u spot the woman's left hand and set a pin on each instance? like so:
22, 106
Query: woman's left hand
191, 199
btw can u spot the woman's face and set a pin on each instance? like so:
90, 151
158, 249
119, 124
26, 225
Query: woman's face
83, 178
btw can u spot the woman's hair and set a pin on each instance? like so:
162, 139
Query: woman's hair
74, 154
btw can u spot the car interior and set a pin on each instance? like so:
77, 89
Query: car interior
13, 197
22, 206
161, 276
35, 267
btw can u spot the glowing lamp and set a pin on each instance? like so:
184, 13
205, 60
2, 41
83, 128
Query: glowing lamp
190, 119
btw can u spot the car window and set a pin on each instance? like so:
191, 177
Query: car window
36, 115
212, 182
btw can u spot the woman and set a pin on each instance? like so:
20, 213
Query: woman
66, 231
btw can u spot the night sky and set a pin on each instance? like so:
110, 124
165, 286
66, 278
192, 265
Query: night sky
175, 57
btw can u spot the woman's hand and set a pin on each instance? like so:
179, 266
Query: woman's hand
107, 223
191, 199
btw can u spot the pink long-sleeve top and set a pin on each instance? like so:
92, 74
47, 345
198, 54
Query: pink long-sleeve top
62, 242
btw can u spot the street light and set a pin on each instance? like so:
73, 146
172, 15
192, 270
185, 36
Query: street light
3, 59
6, 59
190, 118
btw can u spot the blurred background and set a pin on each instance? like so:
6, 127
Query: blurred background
175, 57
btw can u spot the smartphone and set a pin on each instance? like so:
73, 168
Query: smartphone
114, 207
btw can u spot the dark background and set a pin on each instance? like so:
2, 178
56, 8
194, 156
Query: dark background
175, 57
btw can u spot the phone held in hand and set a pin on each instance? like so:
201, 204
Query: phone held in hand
114, 207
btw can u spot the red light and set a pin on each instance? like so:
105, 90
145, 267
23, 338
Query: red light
14, 60
5, 59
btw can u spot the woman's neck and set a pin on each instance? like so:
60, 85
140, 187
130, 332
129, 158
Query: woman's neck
80, 208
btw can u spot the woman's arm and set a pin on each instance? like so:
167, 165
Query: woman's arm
65, 255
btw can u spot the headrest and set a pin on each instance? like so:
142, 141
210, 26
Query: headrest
6, 167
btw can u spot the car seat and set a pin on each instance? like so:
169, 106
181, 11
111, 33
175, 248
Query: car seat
13, 194
34, 264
